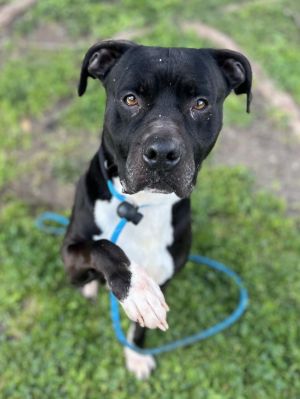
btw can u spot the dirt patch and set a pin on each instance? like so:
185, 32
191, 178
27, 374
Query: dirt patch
41, 183
11, 11
271, 154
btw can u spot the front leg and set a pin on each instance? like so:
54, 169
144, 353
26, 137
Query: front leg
139, 295
141, 365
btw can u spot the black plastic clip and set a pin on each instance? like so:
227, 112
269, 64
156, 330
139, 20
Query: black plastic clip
129, 212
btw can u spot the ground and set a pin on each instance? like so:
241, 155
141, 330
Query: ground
245, 209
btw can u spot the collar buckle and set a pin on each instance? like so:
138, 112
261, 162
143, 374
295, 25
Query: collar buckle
129, 212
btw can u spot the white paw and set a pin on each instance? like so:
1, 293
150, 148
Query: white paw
90, 290
145, 303
140, 365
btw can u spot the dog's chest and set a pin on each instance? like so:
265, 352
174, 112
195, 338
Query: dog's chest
146, 243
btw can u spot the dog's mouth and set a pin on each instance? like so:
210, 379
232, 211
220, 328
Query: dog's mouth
182, 186
161, 175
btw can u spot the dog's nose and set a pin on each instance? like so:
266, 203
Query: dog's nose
162, 153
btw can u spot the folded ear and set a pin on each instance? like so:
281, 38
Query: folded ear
237, 72
99, 60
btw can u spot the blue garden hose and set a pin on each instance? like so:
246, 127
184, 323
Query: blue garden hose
43, 224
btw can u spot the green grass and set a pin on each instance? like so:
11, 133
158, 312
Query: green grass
55, 344
265, 29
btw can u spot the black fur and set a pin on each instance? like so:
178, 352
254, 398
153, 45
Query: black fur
157, 143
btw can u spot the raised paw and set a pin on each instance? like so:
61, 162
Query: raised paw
140, 365
145, 303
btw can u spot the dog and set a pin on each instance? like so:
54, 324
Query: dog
163, 116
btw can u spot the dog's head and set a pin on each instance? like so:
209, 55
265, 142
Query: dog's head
164, 108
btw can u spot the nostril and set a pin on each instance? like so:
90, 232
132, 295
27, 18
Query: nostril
151, 154
172, 156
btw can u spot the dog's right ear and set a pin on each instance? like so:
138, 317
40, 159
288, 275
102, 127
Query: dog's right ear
99, 60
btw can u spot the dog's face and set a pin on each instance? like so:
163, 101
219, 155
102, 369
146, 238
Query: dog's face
164, 109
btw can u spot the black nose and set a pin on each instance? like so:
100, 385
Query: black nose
162, 153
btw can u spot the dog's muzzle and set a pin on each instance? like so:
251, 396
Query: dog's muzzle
160, 163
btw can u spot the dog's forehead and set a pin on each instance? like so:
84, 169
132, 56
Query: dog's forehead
157, 55
142, 63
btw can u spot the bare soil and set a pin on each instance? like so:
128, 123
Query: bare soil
272, 155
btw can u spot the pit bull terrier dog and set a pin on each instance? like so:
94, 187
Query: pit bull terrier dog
163, 116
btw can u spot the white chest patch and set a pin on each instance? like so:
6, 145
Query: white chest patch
145, 244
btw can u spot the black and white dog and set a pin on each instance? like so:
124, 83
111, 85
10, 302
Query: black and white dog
163, 116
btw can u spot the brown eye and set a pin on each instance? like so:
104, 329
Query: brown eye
131, 100
200, 104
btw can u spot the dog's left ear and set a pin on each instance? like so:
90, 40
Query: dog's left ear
237, 72
99, 60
